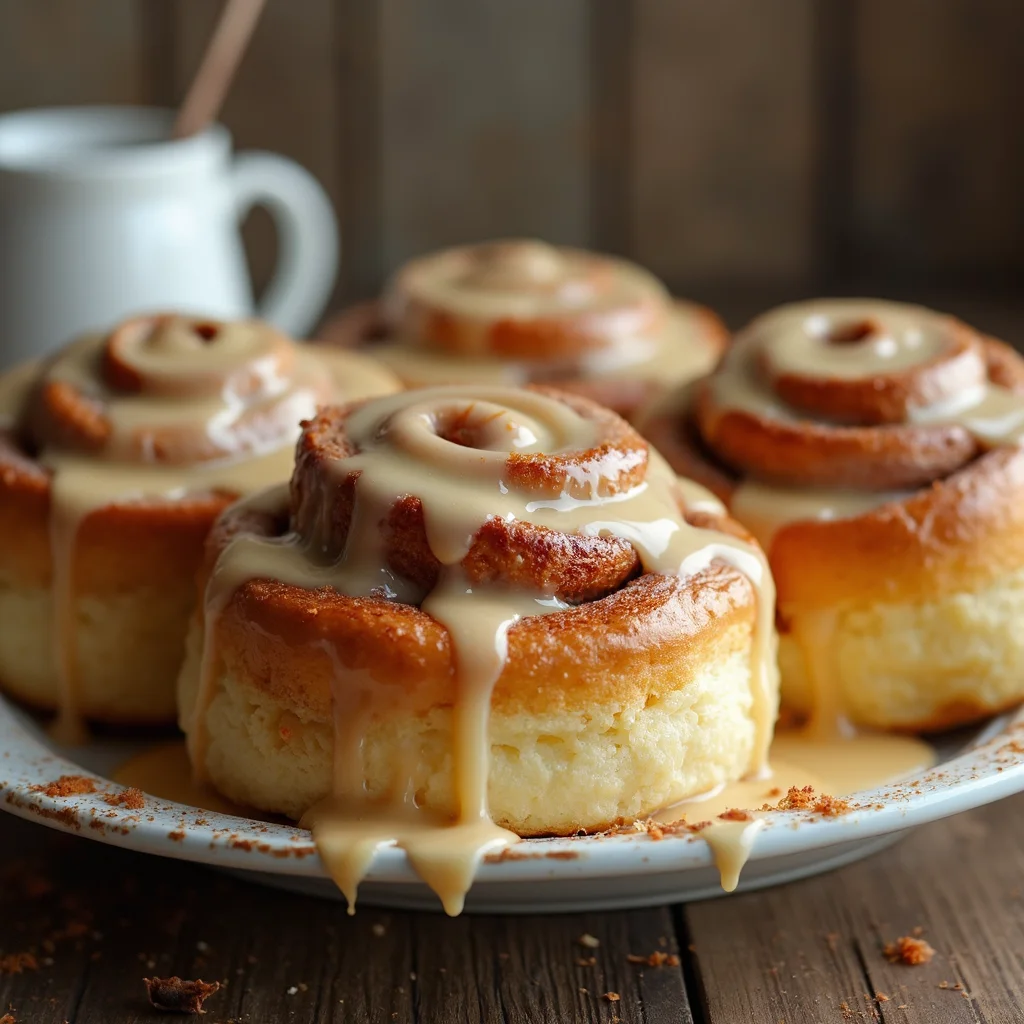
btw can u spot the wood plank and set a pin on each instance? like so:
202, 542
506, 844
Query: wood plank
284, 98
796, 953
61, 52
358, 52
33, 861
834, 106
533, 969
485, 122
159, 30
768, 956
289, 957
282, 956
938, 152
724, 139
973, 920
612, 71
811, 947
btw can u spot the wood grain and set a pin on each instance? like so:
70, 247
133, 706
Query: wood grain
810, 951
812, 948
533, 969
358, 137
723, 135
781, 955
484, 122
286, 957
938, 144
797, 144
973, 919
834, 106
62, 52
612, 56
284, 98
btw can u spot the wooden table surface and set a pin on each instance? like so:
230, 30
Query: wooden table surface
97, 920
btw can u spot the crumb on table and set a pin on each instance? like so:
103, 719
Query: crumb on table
178, 995
656, 959
908, 949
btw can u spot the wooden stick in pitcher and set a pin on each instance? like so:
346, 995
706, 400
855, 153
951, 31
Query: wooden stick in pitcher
217, 68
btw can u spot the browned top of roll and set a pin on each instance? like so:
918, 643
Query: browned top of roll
520, 311
173, 389
881, 441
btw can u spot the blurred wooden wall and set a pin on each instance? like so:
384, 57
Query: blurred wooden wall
796, 145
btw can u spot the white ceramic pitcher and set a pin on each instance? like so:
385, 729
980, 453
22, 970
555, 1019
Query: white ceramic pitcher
102, 215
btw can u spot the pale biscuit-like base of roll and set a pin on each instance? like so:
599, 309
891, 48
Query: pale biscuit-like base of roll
923, 665
129, 647
558, 771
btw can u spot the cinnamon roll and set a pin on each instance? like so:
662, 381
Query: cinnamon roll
477, 613
875, 449
116, 456
516, 312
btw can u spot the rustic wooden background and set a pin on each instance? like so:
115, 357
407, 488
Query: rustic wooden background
791, 145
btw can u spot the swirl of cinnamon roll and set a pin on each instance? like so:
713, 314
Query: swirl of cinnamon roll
851, 394
169, 389
875, 449
477, 612
521, 311
119, 453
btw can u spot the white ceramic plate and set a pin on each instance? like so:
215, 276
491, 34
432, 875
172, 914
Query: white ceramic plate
590, 872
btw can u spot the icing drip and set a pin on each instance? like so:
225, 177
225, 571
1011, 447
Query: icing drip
517, 311
161, 409
469, 455
867, 383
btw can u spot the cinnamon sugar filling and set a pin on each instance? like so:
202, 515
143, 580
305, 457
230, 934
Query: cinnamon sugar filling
482, 507
158, 424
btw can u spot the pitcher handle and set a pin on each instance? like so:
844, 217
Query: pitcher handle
307, 233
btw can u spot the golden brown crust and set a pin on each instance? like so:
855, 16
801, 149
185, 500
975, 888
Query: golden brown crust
507, 338
118, 547
962, 527
608, 299
364, 323
548, 350
628, 624
884, 397
672, 431
879, 450
118, 368
1004, 365
126, 544
573, 568
284, 641
953, 535
904, 573
807, 453
68, 418
74, 414
625, 395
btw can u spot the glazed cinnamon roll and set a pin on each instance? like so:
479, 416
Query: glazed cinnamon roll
875, 449
477, 613
515, 312
116, 456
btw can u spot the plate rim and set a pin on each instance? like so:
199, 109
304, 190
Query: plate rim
990, 768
